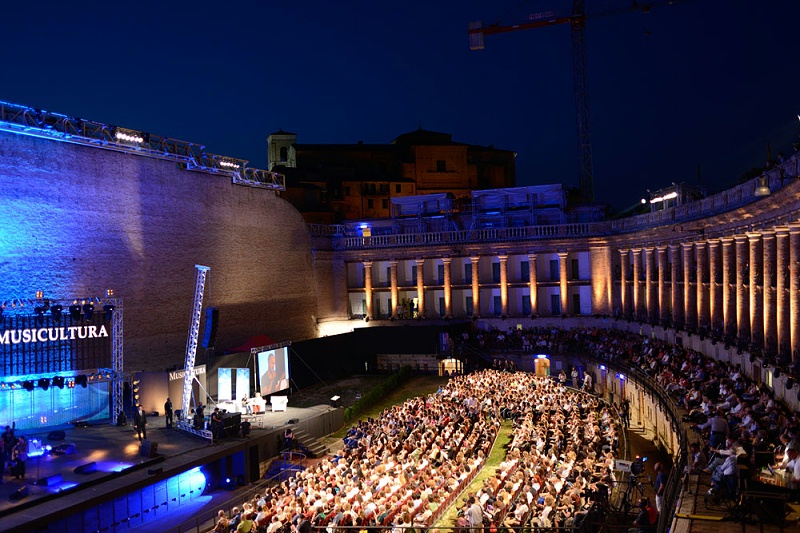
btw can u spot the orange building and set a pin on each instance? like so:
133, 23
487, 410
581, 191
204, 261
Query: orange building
333, 182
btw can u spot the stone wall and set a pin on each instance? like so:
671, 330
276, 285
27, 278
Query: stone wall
77, 220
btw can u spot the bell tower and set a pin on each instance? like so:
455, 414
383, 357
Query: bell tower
280, 149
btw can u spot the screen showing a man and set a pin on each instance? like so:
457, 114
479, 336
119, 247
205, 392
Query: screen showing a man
273, 366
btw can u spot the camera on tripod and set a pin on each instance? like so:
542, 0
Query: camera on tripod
637, 466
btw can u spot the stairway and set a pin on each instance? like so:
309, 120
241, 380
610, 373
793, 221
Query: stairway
308, 445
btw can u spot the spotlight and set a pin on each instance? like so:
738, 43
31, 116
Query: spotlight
44, 383
109, 311
109, 293
88, 310
81, 380
75, 311
39, 295
57, 311
39, 312
58, 381
28, 385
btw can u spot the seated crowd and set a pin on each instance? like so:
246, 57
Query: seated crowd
408, 465
405, 467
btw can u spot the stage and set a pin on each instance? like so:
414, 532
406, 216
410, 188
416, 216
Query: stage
59, 499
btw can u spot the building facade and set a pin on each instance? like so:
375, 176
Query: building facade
724, 267
333, 182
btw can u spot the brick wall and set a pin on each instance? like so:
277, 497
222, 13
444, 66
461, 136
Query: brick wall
76, 220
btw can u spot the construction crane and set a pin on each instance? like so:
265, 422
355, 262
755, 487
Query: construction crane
577, 22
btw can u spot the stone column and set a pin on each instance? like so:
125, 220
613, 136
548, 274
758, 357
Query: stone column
794, 289
756, 296
650, 284
623, 283
781, 291
368, 287
532, 283
476, 287
503, 283
689, 292
701, 251
638, 301
728, 294
393, 274
768, 282
742, 292
677, 295
663, 295
448, 310
714, 287
562, 270
420, 287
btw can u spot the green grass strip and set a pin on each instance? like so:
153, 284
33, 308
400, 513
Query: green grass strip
496, 456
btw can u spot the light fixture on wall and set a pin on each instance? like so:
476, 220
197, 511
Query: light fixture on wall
762, 189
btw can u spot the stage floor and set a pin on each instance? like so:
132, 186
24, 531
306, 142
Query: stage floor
116, 452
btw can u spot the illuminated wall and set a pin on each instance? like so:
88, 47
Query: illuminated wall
76, 220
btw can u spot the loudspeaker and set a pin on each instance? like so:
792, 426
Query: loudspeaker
231, 423
19, 493
210, 331
148, 448
292, 421
155, 471
49, 481
88, 468
65, 449
56, 435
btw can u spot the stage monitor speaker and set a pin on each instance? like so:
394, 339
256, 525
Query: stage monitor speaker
49, 481
293, 421
88, 468
210, 330
231, 423
19, 493
65, 449
155, 471
148, 448
56, 435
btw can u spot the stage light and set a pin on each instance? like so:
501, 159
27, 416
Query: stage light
39, 312
58, 381
57, 311
88, 310
336, 401
28, 385
108, 309
71, 383
75, 310
39, 295
82, 380
129, 136
109, 293
228, 164
44, 383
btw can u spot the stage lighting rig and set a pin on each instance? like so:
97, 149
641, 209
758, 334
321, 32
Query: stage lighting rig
75, 310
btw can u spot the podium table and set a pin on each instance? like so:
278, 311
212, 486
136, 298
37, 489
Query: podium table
279, 403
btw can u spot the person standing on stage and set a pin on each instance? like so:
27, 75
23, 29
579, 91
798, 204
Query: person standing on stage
19, 455
216, 424
168, 412
140, 422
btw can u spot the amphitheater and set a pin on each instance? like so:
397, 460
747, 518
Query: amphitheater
85, 211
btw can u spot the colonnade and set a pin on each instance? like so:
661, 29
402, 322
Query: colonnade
743, 287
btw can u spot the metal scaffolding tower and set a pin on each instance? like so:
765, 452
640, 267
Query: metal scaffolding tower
191, 343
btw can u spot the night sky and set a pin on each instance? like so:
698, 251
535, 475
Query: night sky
702, 82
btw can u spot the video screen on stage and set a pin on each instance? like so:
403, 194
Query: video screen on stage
273, 370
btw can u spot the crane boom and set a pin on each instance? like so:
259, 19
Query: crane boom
577, 21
